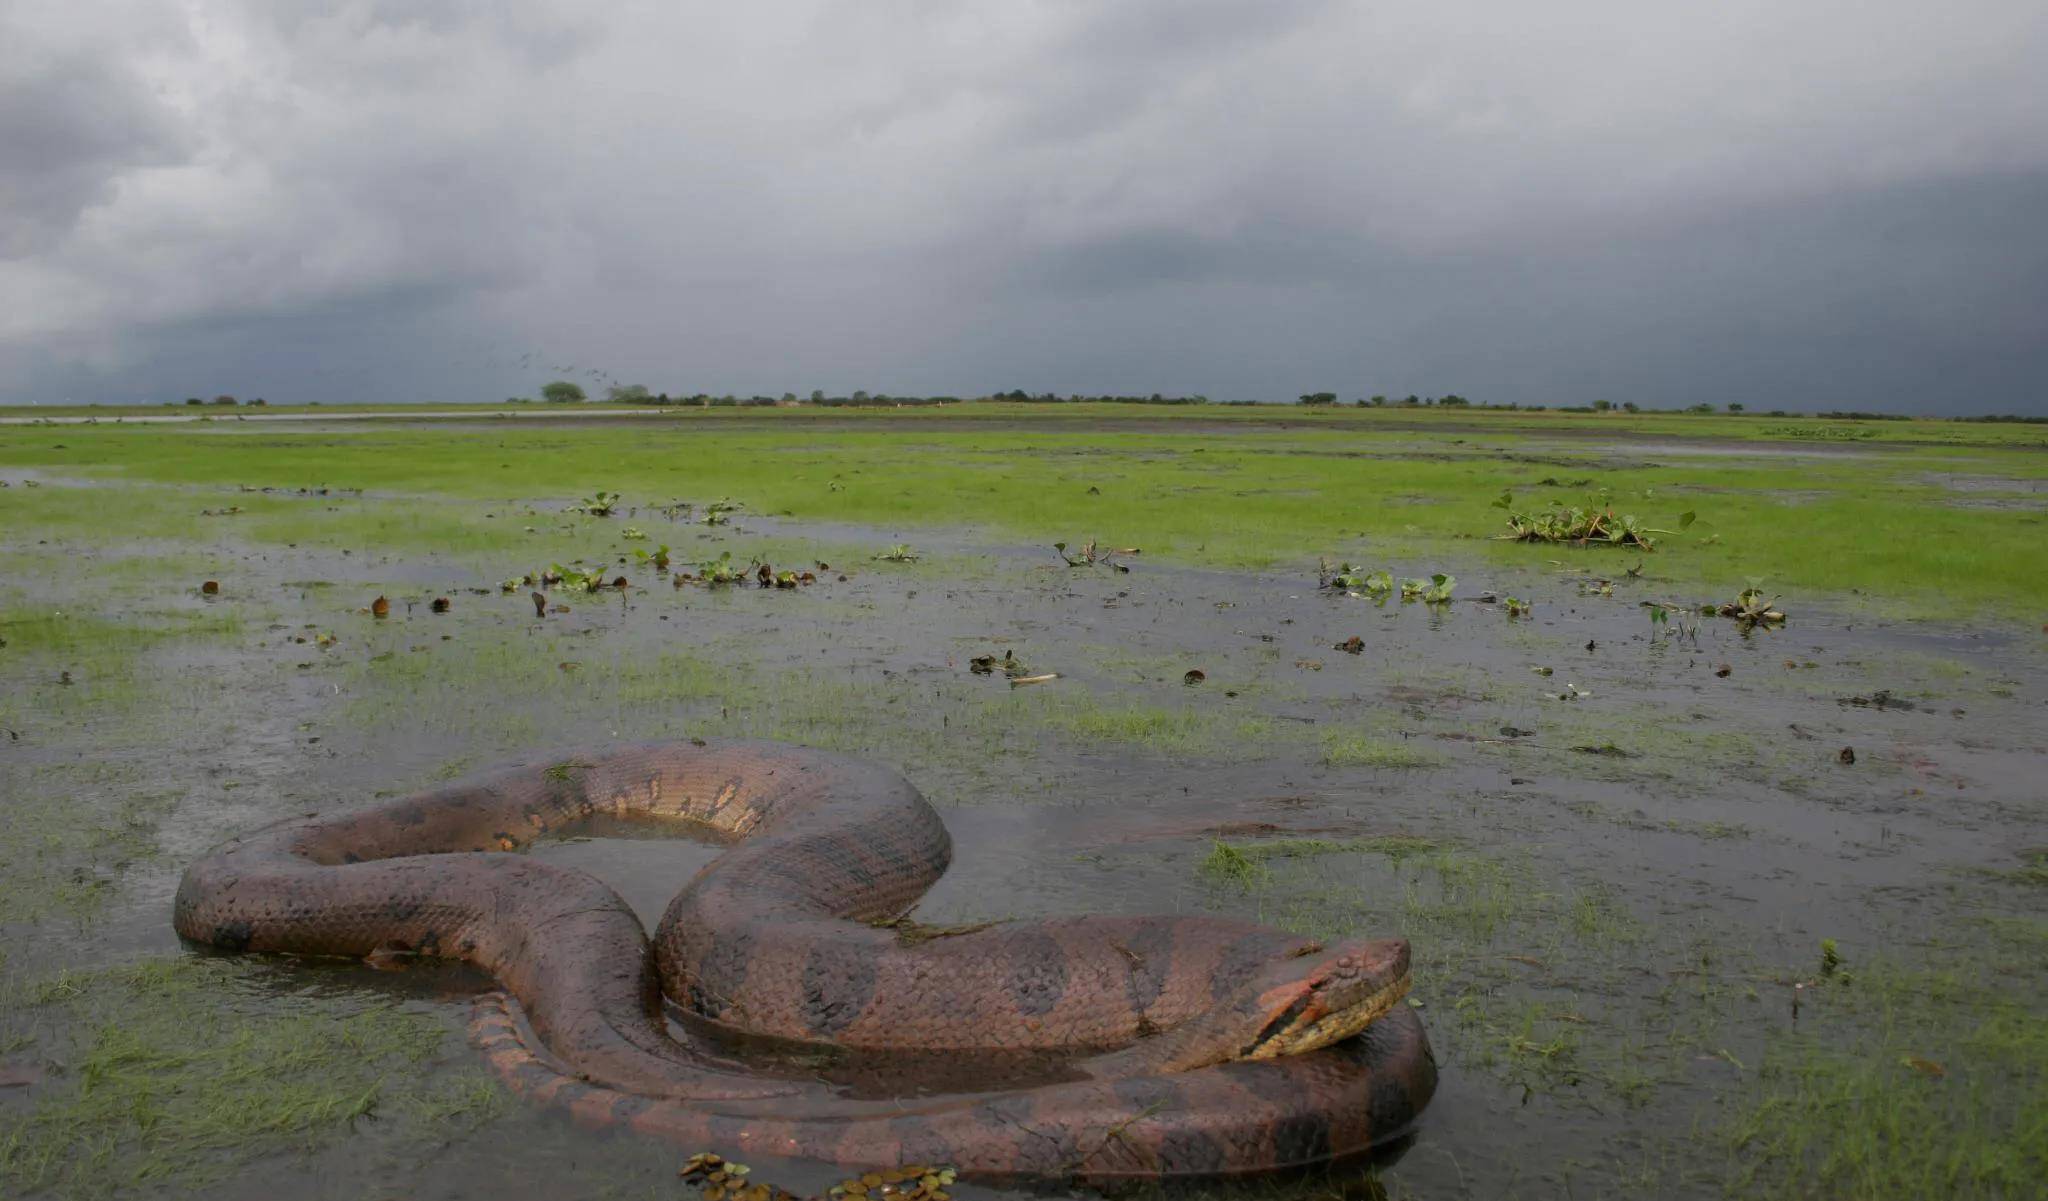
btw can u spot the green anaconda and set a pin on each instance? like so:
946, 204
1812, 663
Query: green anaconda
1203, 1046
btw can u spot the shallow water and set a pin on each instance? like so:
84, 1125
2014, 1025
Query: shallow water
1587, 826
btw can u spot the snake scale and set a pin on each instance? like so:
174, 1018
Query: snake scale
1194, 1046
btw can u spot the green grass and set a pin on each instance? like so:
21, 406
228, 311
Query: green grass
1183, 730
1347, 748
1255, 496
169, 1085
1942, 1092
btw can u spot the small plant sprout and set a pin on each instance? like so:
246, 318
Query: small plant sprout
633, 533
1830, 957
719, 512
1670, 623
597, 504
899, 553
658, 559
1516, 606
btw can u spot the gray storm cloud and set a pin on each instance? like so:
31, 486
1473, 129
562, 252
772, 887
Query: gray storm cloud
1820, 205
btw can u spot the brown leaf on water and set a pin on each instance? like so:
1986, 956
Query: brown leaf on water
540, 605
569, 665
1848, 756
1352, 645
1723, 671
440, 604
766, 575
620, 582
1309, 664
381, 607
1194, 676
19, 1075
210, 587
1926, 1067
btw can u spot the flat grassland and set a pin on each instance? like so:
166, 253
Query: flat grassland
1698, 907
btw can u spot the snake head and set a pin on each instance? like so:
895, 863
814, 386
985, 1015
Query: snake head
1327, 996
1314, 998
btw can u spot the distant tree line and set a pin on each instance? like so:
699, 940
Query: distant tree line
567, 392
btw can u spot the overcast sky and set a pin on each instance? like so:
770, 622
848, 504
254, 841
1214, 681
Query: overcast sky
1801, 203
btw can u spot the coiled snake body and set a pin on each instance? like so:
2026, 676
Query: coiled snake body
1209, 1047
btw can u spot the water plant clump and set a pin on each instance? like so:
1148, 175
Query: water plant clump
725, 570
716, 572
1355, 580
1750, 608
1436, 590
597, 504
1092, 554
899, 553
1593, 524
1009, 664
576, 577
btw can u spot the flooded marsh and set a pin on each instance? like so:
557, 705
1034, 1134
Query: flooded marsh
1697, 907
